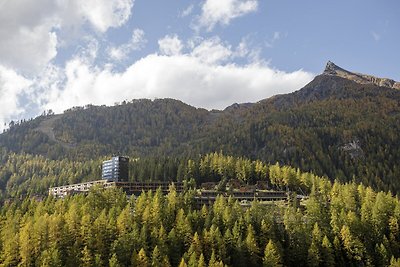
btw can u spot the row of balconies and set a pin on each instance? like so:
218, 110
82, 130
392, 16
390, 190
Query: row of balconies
127, 186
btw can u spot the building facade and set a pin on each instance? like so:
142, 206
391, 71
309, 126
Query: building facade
116, 169
130, 188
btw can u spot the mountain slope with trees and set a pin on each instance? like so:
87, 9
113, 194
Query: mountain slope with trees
105, 228
339, 136
334, 126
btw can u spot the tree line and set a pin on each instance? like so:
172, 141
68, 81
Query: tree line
340, 224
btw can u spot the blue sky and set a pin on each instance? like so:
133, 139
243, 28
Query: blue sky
209, 53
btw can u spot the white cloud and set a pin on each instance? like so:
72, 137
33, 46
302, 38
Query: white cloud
170, 45
31, 34
136, 43
48, 81
27, 41
12, 86
246, 49
223, 11
181, 76
187, 11
89, 49
203, 76
200, 72
137, 38
103, 14
212, 51
242, 49
31, 30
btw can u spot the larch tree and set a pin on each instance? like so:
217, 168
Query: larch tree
271, 256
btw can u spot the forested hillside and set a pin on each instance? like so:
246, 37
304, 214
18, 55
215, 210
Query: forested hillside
33, 175
334, 126
338, 225
335, 141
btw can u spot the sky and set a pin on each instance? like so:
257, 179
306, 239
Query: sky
57, 54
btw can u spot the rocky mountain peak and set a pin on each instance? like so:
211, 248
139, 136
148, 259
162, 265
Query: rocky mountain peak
334, 70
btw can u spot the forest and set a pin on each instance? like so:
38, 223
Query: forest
339, 224
334, 141
333, 127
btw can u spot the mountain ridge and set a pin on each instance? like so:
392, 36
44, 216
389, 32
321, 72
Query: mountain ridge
334, 70
311, 129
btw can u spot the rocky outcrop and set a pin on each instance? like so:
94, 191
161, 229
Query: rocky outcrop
353, 148
334, 70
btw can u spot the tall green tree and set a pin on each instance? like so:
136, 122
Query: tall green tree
271, 255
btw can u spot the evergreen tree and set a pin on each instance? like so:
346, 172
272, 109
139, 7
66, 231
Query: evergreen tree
86, 258
156, 258
394, 262
192, 260
201, 261
353, 246
51, 258
327, 256
113, 262
314, 251
271, 255
182, 263
252, 247
142, 259
213, 259
383, 255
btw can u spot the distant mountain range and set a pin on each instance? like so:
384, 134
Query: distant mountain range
342, 124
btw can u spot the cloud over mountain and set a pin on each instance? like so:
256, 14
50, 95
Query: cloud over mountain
60, 54
188, 76
223, 11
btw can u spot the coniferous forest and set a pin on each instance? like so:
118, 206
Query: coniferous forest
337, 225
331, 146
333, 127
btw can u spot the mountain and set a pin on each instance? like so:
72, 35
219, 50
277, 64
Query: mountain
332, 69
342, 124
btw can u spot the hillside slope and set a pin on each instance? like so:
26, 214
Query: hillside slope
336, 125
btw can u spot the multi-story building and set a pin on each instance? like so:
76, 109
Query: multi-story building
116, 169
115, 174
130, 188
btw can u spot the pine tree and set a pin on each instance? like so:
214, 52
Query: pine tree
327, 256
98, 261
10, 240
51, 258
192, 260
394, 235
156, 259
271, 256
142, 259
182, 263
86, 258
125, 221
252, 247
26, 246
201, 262
166, 262
174, 252
113, 262
314, 254
353, 246
394, 262
196, 245
382, 254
